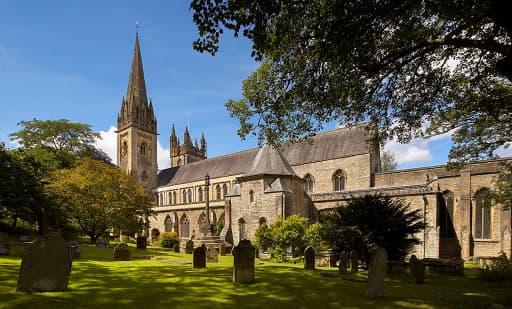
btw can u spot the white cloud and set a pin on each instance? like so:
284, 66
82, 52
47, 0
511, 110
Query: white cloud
504, 152
415, 152
108, 143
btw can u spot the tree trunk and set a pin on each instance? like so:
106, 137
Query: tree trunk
14, 220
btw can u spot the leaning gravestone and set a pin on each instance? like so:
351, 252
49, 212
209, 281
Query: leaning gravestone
189, 247
75, 249
417, 269
5, 244
46, 265
121, 252
103, 243
309, 258
212, 254
354, 261
142, 242
343, 263
199, 257
244, 260
176, 248
377, 274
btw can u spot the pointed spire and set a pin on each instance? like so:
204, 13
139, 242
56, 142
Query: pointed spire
174, 142
186, 137
136, 93
203, 145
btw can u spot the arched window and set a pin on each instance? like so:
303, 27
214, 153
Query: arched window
143, 148
168, 224
202, 223
217, 192
169, 196
251, 196
262, 221
309, 183
483, 214
338, 181
241, 228
446, 209
200, 194
185, 227
184, 197
224, 190
190, 200
174, 197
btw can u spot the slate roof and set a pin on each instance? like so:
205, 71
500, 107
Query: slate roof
329, 145
278, 186
269, 161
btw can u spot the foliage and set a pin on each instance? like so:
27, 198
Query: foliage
99, 196
217, 229
263, 237
387, 161
370, 221
399, 64
169, 239
500, 271
313, 237
56, 143
503, 192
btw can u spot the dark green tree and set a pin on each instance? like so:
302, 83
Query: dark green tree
371, 221
387, 161
398, 64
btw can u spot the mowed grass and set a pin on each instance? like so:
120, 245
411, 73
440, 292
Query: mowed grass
169, 281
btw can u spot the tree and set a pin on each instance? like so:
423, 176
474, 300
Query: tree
368, 222
503, 192
56, 143
100, 196
388, 162
398, 64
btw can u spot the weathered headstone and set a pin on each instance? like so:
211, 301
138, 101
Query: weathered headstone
46, 265
121, 252
176, 248
189, 247
212, 254
103, 243
343, 263
5, 244
223, 249
244, 260
142, 242
417, 269
75, 249
354, 261
199, 257
377, 274
309, 258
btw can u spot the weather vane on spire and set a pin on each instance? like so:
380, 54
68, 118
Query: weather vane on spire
137, 26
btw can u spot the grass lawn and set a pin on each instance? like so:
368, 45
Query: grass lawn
169, 281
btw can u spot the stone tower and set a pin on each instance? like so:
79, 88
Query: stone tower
136, 129
187, 152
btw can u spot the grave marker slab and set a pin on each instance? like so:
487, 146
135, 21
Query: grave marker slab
377, 274
343, 263
103, 243
417, 269
244, 257
176, 248
121, 252
212, 254
75, 249
189, 247
142, 242
199, 257
309, 258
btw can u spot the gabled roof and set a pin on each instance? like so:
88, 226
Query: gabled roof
269, 161
278, 186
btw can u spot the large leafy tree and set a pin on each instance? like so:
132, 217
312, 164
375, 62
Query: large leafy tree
398, 64
57, 143
368, 222
387, 161
100, 196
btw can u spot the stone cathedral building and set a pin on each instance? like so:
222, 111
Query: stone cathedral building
262, 185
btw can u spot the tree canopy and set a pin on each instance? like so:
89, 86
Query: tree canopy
387, 161
398, 64
100, 196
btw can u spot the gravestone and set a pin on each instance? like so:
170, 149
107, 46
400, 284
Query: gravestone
199, 257
417, 269
343, 263
5, 244
176, 248
142, 242
103, 243
121, 252
244, 259
354, 261
46, 265
212, 254
75, 249
223, 249
309, 258
189, 247
377, 274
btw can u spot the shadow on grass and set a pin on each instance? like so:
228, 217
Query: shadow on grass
98, 282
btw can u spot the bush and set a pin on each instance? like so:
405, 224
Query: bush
169, 239
500, 271
313, 237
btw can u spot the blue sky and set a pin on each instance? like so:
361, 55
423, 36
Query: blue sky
71, 59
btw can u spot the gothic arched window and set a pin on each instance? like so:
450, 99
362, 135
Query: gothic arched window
200, 194
241, 228
174, 197
184, 197
143, 148
338, 181
168, 224
185, 227
190, 200
446, 210
217, 192
483, 214
224, 190
309, 183
251, 196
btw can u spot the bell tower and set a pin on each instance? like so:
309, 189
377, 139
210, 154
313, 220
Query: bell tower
136, 128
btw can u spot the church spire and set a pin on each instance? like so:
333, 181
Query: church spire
136, 92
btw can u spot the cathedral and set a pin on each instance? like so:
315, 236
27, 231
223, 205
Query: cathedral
230, 196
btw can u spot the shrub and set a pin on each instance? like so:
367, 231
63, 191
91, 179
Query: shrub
500, 271
313, 237
169, 239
